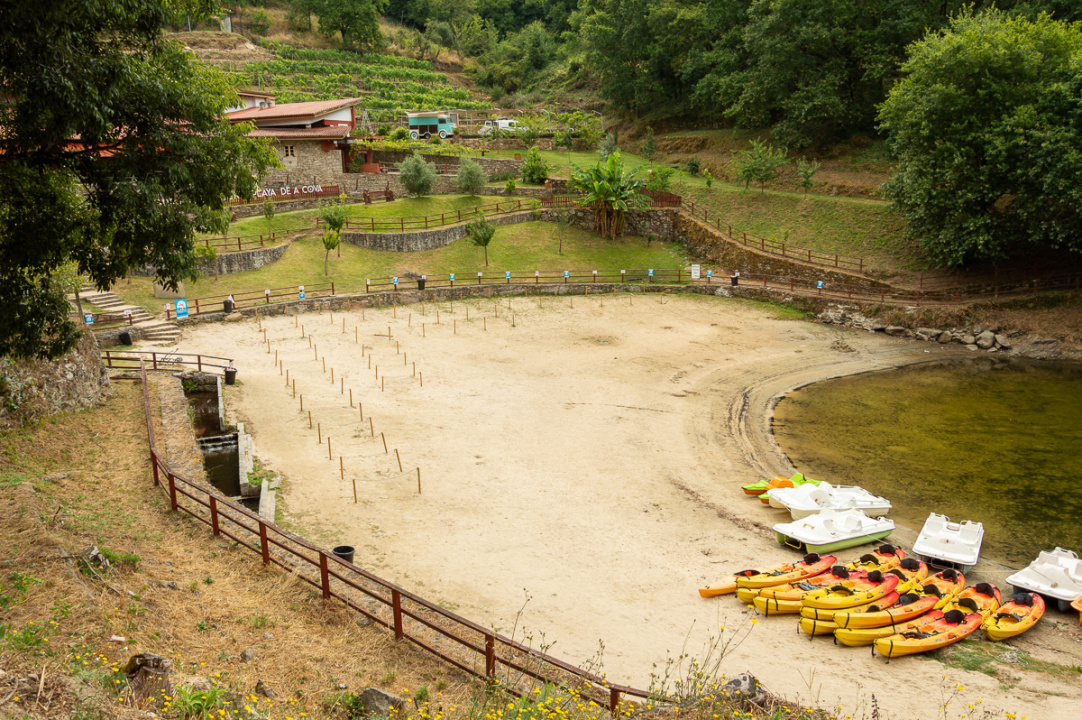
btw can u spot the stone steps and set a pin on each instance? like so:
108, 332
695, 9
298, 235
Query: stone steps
151, 329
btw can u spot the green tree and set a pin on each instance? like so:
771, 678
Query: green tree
356, 20
331, 240
113, 154
334, 215
268, 213
649, 146
481, 232
610, 191
471, 178
806, 169
417, 176
760, 164
534, 169
987, 129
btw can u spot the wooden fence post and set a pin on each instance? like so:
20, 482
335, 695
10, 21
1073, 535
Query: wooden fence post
154, 467
490, 655
396, 603
324, 576
263, 545
172, 492
214, 515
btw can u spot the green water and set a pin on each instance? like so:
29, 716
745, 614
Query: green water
993, 440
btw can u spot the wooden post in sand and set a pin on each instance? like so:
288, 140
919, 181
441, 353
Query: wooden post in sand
371, 428
351, 397
399, 459
302, 407
329, 457
354, 491
418, 481
319, 433
384, 437
309, 419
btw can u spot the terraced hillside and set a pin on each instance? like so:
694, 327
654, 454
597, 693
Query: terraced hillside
389, 84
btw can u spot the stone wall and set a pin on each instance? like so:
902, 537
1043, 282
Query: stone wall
235, 262
178, 441
33, 389
424, 239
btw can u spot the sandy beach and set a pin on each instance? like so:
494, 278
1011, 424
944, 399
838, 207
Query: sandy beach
580, 462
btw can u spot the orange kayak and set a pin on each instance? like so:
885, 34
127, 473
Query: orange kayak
982, 598
864, 628
849, 594
810, 566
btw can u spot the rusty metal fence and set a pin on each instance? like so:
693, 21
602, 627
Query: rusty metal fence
476, 650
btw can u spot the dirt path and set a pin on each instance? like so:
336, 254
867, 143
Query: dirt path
587, 458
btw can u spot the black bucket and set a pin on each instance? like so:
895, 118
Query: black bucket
421, 283
735, 280
228, 305
344, 552
230, 376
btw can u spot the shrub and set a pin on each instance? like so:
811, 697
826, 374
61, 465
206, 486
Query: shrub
399, 133
259, 21
509, 188
608, 146
417, 176
649, 147
661, 180
534, 169
761, 164
383, 130
694, 166
471, 178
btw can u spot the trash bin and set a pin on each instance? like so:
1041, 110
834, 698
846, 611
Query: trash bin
735, 279
230, 375
228, 304
345, 552
421, 282
125, 338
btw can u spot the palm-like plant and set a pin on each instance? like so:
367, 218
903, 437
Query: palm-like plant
610, 191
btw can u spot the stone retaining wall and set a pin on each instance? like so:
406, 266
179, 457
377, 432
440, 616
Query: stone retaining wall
424, 239
244, 260
33, 389
178, 438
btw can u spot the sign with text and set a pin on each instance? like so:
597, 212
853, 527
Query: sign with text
292, 192
696, 272
181, 308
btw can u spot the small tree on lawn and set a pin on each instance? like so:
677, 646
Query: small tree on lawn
268, 213
417, 176
68, 279
534, 169
333, 214
807, 169
649, 148
471, 178
481, 232
761, 164
563, 222
331, 240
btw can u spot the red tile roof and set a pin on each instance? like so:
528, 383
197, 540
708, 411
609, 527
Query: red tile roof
323, 133
292, 111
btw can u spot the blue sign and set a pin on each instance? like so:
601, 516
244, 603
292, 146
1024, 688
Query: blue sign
300, 294
819, 284
710, 273
182, 308
507, 275
89, 317
394, 280
566, 273
650, 273
452, 277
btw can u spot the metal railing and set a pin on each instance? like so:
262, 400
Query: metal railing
137, 360
479, 651
250, 298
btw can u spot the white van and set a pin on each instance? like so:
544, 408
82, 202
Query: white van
502, 125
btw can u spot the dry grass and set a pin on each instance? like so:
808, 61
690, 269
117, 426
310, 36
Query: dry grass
225, 601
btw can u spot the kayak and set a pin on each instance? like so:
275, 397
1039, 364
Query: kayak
884, 558
811, 565
850, 593
786, 599
1077, 605
982, 598
947, 629
762, 486
936, 592
1015, 617
825, 624
911, 573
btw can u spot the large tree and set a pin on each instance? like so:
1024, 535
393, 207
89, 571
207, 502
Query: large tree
113, 154
987, 128
356, 20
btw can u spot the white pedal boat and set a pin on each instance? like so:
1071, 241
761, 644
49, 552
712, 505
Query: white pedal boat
1056, 575
809, 499
949, 544
829, 530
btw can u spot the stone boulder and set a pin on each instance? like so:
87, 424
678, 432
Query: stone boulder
895, 330
1003, 341
944, 337
744, 690
986, 340
374, 701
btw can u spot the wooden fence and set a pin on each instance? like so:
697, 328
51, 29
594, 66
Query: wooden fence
427, 222
138, 360
237, 243
474, 649
250, 298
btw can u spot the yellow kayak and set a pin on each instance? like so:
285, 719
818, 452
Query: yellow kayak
1015, 617
948, 628
982, 598
785, 599
812, 564
849, 594
825, 624
884, 558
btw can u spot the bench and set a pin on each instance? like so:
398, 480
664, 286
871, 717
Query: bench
385, 194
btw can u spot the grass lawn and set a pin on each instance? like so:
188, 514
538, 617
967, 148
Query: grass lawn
401, 207
520, 248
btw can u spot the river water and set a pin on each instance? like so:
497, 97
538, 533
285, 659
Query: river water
991, 439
